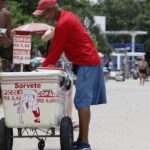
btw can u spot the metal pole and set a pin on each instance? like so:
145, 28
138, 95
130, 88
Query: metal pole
126, 64
133, 45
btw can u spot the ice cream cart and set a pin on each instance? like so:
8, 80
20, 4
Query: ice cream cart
35, 102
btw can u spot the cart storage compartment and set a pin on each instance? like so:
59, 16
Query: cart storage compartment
33, 99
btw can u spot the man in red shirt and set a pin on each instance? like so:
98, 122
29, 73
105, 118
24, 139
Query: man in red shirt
71, 38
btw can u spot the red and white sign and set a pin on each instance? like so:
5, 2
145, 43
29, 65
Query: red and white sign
21, 49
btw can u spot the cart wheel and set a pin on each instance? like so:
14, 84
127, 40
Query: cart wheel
6, 136
41, 145
66, 134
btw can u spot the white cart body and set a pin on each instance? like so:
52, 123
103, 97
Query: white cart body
33, 99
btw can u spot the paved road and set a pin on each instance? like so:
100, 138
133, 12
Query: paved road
122, 124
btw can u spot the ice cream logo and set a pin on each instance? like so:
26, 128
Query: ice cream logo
28, 102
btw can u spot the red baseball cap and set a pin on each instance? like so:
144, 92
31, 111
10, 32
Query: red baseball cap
42, 5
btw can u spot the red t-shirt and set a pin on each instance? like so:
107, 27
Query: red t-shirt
71, 38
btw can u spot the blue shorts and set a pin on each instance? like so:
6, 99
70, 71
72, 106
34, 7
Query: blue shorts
90, 87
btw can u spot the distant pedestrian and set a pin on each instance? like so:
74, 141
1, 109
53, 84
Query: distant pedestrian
110, 65
143, 69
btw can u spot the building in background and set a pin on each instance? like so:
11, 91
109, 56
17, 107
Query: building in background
126, 53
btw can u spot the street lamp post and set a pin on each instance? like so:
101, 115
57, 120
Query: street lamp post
126, 64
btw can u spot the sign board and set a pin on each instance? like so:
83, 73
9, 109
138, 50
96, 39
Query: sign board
21, 49
100, 21
122, 49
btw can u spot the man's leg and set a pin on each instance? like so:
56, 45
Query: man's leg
140, 77
84, 121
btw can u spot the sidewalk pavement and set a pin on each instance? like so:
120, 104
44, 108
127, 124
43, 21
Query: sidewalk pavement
122, 124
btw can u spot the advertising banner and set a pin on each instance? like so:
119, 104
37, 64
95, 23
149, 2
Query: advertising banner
21, 49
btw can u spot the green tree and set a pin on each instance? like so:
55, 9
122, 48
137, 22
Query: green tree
126, 15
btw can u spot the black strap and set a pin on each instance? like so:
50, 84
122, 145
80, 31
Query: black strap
75, 68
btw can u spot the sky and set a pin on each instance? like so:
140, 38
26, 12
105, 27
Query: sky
93, 1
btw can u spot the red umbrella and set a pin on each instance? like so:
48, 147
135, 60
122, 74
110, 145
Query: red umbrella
32, 28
